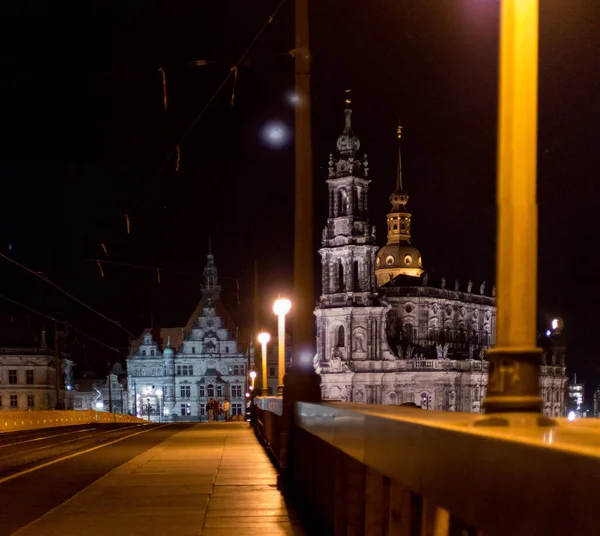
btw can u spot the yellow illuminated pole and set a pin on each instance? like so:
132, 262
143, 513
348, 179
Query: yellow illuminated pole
281, 308
515, 361
263, 339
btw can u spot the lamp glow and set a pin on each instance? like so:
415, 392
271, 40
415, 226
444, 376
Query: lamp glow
264, 337
282, 306
253, 374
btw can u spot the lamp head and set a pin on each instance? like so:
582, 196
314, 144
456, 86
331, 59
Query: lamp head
282, 306
253, 374
264, 337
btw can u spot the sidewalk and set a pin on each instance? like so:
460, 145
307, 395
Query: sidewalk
209, 480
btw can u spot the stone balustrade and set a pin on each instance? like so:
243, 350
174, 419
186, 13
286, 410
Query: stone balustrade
369, 469
11, 421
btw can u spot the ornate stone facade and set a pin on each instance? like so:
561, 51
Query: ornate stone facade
412, 340
174, 371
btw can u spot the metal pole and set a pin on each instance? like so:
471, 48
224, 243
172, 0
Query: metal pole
110, 404
58, 404
303, 299
280, 353
515, 361
263, 353
121, 400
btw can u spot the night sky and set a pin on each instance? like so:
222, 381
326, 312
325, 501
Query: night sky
85, 133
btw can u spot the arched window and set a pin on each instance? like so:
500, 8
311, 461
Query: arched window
210, 389
341, 337
355, 276
341, 285
342, 203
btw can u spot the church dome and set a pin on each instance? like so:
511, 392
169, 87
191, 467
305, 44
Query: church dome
400, 258
168, 351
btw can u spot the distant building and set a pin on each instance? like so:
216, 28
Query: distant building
386, 332
173, 372
28, 378
95, 393
576, 397
597, 403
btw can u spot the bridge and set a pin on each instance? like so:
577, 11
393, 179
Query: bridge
303, 467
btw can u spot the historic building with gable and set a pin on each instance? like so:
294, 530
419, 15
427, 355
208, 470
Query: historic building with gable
386, 333
173, 372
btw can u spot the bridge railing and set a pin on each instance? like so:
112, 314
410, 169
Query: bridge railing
365, 469
11, 421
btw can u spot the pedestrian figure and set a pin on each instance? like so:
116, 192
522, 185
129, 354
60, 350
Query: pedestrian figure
216, 409
210, 409
226, 407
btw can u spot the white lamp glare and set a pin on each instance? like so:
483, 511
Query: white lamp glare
264, 337
282, 306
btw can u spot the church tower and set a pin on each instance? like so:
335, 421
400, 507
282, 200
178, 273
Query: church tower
350, 321
398, 256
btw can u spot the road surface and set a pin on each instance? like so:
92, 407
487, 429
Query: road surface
40, 469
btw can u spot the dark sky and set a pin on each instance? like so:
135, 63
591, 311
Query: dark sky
85, 131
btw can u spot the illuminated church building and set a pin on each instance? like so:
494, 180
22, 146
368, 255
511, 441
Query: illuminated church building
386, 333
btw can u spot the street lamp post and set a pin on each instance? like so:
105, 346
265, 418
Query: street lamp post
148, 405
515, 361
263, 339
158, 396
281, 308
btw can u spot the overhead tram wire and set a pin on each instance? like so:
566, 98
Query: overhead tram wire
66, 323
231, 73
45, 278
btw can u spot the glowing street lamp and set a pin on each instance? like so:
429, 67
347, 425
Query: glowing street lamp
252, 377
263, 339
281, 307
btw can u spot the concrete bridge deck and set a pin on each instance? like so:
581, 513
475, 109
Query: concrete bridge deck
209, 480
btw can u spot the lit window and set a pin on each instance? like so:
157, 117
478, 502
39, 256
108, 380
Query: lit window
407, 259
389, 260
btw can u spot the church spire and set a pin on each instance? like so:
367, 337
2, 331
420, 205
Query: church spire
398, 256
399, 198
347, 143
399, 172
